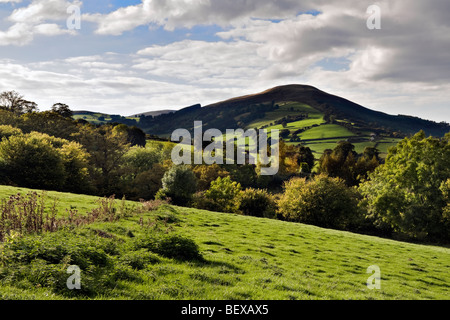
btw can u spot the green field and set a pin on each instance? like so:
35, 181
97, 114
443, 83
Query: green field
249, 258
288, 109
94, 117
326, 131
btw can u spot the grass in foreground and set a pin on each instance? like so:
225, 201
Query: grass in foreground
243, 258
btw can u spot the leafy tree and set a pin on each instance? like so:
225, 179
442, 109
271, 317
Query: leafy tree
408, 193
343, 162
323, 201
15, 102
178, 184
50, 123
445, 189
7, 131
135, 136
62, 109
285, 133
106, 148
207, 174
139, 159
145, 184
245, 174
305, 155
52, 162
7, 117
143, 170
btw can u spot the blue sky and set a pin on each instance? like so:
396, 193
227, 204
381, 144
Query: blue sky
142, 55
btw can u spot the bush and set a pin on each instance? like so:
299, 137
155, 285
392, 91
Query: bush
32, 162
223, 194
178, 184
199, 201
257, 203
324, 201
170, 246
40, 161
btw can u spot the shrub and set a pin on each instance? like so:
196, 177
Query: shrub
199, 201
257, 203
32, 162
323, 201
170, 246
223, 194
178, 184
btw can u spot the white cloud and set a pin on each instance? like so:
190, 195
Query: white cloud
404, 66
33, 20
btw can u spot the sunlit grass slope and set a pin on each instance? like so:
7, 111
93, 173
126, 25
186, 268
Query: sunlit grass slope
254, 258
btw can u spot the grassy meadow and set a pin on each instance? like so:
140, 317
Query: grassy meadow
243, 258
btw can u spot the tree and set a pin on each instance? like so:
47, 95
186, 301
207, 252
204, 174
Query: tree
343, 162
145, 184
305, 155
15, 102
178, 184
49, 122
106, 148
7, 131
142, 172
208, 173
135, 135
139, 159
285, 133
62, 109
407, 193
323, 201
445, 189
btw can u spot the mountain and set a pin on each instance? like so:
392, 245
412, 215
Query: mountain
341, 108
329, 105
303, 113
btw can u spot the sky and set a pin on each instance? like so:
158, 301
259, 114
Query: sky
128, 57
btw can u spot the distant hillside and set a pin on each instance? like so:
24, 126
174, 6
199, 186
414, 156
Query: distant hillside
306, 115
153, 113
341, 108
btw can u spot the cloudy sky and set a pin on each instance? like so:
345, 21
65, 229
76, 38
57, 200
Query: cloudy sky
142, 55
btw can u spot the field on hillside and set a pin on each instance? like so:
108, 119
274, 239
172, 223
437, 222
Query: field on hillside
318, 135
97, 118
244, 258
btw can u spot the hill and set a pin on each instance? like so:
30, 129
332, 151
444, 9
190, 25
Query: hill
245, 258
312, 117
153, 113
